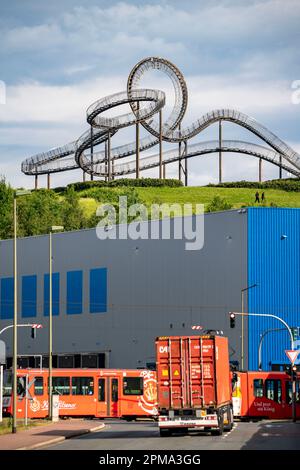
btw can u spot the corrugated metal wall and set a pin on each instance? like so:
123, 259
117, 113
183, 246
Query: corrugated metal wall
274, 264
154, 288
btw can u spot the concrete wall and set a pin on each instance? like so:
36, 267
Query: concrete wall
155, 287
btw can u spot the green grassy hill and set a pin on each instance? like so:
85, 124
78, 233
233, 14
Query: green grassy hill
235, 197
74, 207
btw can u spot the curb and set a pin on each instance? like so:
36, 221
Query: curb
56, 440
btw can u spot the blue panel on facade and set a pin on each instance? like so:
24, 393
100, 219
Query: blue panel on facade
29, 286
98, 290
7, 299
55, 294
274, 264
74, 292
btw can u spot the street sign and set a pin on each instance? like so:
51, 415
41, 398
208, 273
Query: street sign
292, 355
2, 352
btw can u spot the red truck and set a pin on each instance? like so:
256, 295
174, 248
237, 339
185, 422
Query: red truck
194, 384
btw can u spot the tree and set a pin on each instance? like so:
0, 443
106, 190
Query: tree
218, 204
72, 213
6, 209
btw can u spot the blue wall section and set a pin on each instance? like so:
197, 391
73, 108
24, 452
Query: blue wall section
7, 298
274, 264
98, 290
29, 286
74, 292
55, 294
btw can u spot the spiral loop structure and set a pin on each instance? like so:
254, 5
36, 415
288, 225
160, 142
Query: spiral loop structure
146, 105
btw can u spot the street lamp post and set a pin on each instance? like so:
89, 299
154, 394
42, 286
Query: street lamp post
15, 339
54, 228
242, 305
15, 322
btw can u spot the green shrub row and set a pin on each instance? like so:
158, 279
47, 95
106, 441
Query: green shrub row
290, 184
129, 182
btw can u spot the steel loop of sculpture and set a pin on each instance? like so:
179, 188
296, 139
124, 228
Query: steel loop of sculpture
147, 107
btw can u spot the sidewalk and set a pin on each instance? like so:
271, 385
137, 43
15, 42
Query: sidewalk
39, 436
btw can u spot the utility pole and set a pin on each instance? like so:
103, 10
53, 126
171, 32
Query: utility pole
242, 306
54, 228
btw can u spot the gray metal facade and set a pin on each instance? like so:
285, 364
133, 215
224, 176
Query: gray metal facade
154, 287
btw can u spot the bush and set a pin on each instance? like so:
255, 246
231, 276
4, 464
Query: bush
128, 182
288, 184
146, 182
81, 185
218, 204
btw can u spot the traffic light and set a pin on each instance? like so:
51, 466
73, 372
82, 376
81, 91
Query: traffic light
33, 333
232, 320
291, 370
295, 332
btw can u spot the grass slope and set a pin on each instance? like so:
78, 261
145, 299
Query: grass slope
237, 197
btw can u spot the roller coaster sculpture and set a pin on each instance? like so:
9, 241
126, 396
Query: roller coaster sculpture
146, 110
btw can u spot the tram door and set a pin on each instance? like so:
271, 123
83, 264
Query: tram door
108, 397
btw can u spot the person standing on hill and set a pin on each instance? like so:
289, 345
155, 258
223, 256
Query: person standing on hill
262, 197
257, 196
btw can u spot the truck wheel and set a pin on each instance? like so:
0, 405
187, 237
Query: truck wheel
229, 416
219, 431
164, 432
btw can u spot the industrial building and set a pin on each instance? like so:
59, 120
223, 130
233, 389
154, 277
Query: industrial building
112, 298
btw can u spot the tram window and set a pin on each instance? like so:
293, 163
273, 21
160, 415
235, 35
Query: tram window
101, 389
21, 386
258, 388
7, 383
288, 392
133, 386
82, 386
61, 385
273, 390
38, 386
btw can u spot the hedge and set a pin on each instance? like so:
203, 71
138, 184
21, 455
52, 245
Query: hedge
289, 184
129, 182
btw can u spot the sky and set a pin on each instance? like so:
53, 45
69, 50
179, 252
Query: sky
58, 57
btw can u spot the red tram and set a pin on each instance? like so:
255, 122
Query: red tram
101, 393
264, 395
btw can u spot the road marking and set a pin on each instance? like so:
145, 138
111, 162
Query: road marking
229, 432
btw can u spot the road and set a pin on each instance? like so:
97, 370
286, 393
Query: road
120, 435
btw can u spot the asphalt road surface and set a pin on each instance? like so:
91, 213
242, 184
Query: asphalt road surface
120, 435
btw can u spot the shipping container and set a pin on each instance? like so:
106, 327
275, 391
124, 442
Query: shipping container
194, 383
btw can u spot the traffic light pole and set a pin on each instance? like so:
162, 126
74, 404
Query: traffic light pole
270, 316
294, 397
20, 325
